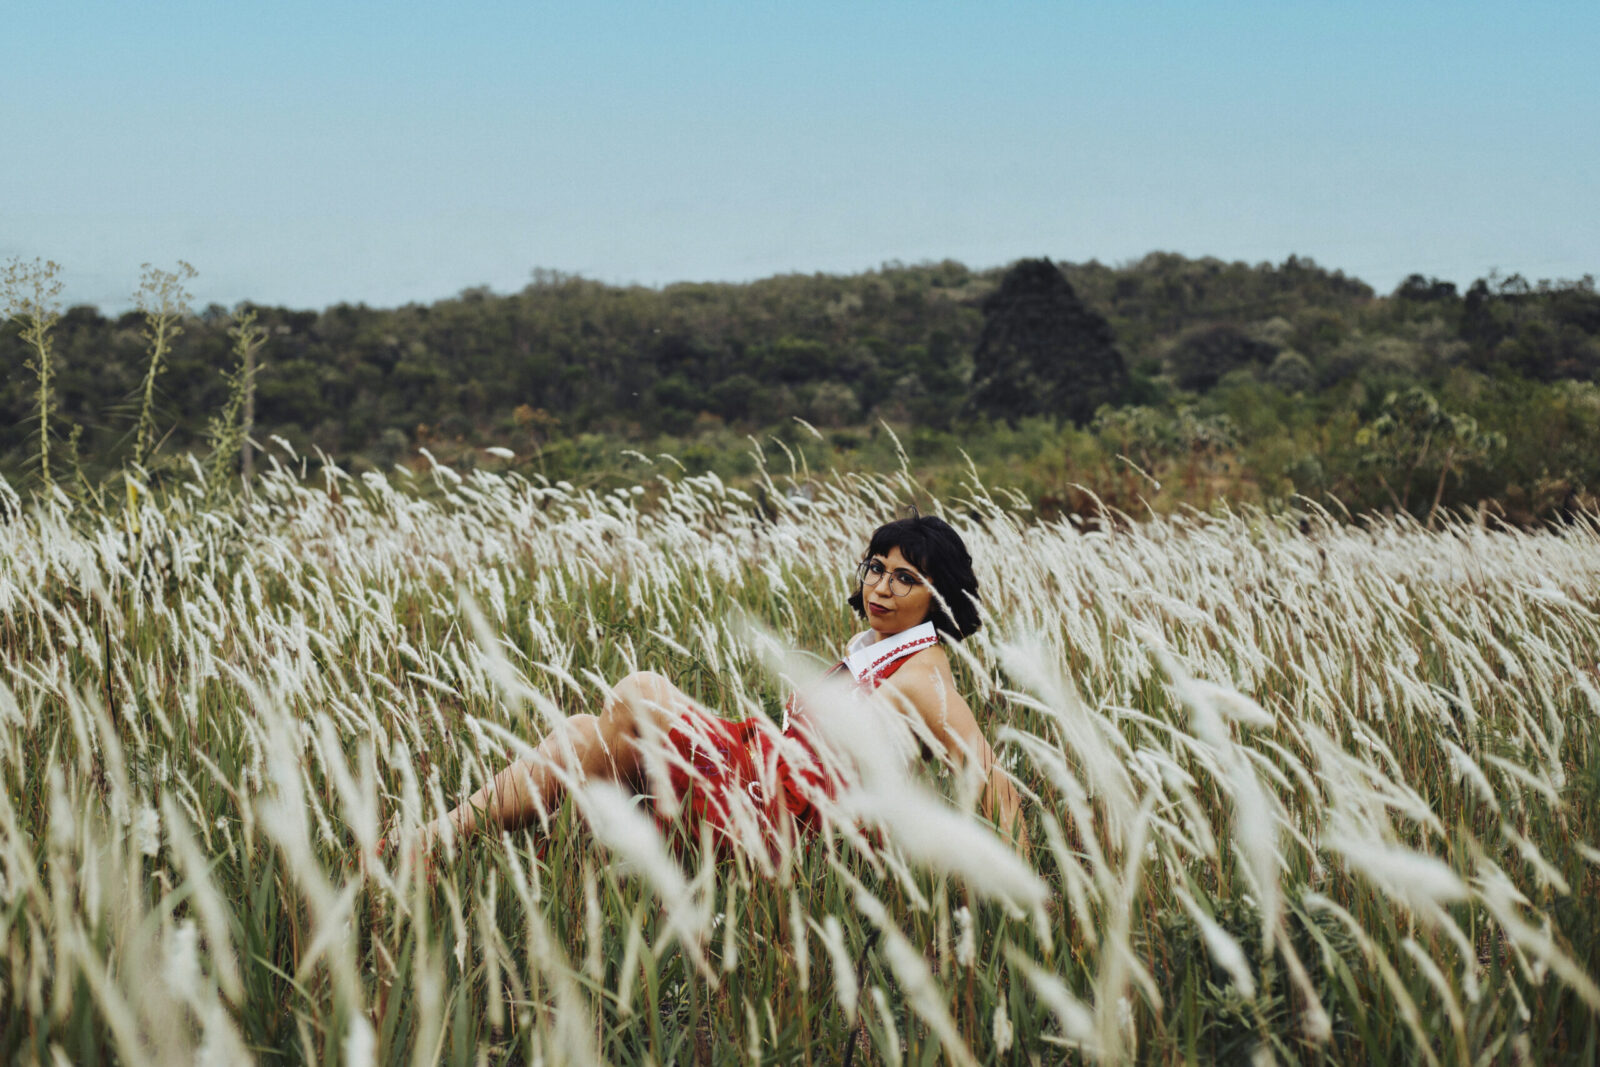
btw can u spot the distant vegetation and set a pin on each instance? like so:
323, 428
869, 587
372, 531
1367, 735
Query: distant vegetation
1209, 379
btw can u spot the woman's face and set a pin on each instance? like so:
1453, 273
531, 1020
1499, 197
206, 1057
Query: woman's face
888, 614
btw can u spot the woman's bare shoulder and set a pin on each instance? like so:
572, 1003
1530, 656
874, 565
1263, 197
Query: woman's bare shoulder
934, 657
929, 690
927, 669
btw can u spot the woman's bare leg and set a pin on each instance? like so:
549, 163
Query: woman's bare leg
615, 746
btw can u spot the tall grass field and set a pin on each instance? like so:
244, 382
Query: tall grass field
1319, 791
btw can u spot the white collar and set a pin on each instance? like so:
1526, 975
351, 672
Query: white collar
867, 660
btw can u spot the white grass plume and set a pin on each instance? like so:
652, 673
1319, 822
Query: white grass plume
1037, 670
619, 824
927, 999
935, 835
1414, 877
1224, 949
1074, 1018
831, 932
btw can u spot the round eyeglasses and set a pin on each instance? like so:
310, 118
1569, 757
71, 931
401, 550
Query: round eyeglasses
901, 582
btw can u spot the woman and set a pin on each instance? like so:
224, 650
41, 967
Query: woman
916, 589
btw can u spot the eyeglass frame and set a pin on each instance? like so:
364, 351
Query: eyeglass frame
866, 567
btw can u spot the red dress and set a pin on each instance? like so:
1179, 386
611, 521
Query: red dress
744, 759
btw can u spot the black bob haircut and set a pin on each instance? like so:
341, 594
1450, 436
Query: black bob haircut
934, 548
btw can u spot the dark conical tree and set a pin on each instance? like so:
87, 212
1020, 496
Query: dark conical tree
1043, 351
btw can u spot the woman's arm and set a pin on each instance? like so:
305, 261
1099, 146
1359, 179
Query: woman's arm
999, 802
930, 692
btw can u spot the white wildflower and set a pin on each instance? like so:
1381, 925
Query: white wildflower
966, 938
360, 1044
147, 831
221, 1044
181, 968
1003, 1033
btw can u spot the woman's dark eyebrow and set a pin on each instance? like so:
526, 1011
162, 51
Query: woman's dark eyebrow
880, 561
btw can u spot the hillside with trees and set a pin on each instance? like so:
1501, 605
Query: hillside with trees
1211, 379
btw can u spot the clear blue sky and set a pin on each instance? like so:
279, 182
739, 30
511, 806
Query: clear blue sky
308, 153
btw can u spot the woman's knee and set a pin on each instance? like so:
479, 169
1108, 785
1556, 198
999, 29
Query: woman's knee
582, 725
641, 695
573, 737
642, 687
582, 741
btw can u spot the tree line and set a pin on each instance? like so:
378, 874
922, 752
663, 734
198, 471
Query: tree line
1171, 357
